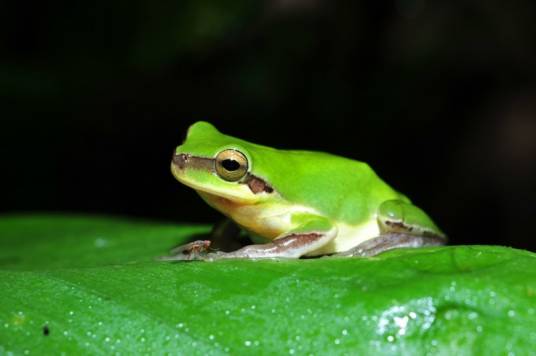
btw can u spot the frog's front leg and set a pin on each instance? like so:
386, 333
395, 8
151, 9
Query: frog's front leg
311, 234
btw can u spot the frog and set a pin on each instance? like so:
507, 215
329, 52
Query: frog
295, 203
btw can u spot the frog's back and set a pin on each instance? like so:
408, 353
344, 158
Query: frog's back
335, 186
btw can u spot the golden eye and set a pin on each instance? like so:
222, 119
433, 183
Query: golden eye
231, 165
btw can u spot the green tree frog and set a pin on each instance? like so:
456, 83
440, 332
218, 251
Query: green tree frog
303, 203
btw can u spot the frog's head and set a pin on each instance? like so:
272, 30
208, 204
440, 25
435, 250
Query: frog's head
219, 167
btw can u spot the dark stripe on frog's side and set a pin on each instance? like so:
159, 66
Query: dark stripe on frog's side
397, 225
400, 227
255, 184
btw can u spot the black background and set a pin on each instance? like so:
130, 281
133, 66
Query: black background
437, 96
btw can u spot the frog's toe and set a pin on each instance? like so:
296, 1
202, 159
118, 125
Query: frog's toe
194, 247
196, 250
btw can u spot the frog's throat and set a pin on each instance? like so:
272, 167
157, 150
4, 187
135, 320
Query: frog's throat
255, 218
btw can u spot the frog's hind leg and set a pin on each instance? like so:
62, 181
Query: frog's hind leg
398, 216
402, 225
390, 241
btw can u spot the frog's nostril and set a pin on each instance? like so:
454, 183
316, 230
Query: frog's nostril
180, 160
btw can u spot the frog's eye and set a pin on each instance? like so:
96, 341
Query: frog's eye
231, 165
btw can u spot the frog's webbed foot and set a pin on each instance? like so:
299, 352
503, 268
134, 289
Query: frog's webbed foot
390, 241
194, 250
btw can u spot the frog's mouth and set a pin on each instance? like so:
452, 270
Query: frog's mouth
183, 165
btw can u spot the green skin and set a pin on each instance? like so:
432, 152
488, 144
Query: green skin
305, 203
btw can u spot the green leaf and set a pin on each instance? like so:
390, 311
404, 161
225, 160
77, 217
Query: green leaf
90, 285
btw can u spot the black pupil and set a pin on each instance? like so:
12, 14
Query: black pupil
230, 164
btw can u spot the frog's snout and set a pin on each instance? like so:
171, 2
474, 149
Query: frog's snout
180, 160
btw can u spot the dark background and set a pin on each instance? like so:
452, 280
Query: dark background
439, 97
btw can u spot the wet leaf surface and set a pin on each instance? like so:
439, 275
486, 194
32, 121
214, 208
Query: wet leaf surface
91, 285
